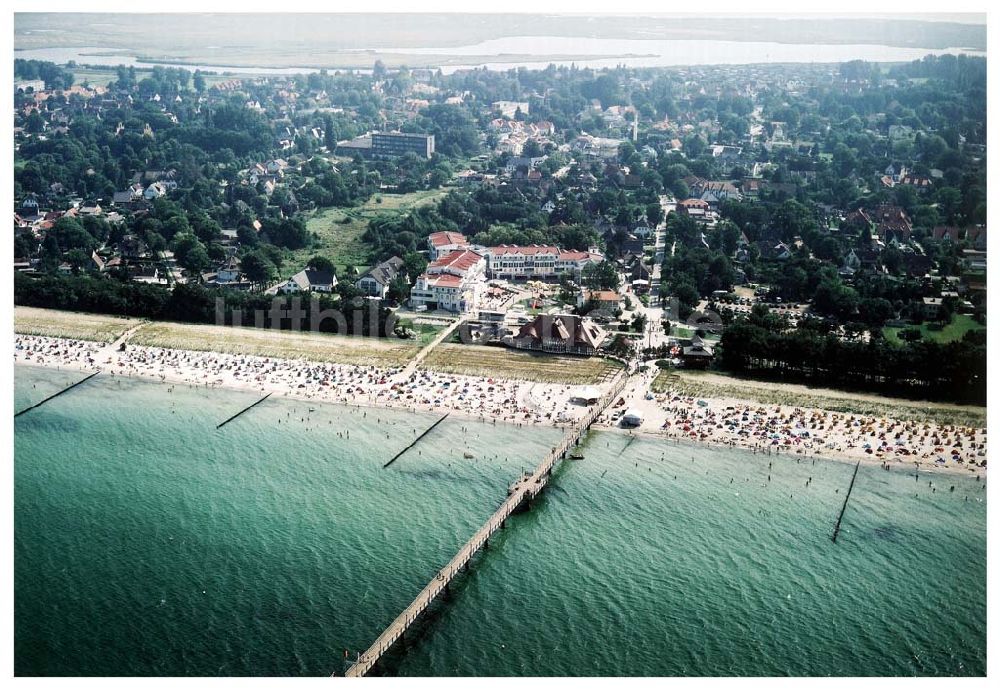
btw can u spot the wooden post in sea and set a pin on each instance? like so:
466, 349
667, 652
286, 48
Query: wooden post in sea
836, 529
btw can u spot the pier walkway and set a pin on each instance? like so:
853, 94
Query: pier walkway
523, 490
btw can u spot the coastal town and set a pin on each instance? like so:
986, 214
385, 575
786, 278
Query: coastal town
309, 308
681, 219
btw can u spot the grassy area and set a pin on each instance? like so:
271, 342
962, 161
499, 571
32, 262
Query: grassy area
94, 76
339, 229
953, 331
490, 361
69, 325
707, 384
277, 344
425, 332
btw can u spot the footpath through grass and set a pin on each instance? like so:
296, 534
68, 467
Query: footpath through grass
70, 325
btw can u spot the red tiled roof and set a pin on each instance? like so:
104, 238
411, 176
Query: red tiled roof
447, 280
458, 260
446, 238
524, 250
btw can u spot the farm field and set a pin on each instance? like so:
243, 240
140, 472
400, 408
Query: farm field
69, 325
490, 361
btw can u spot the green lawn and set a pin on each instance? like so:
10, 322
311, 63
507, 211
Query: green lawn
954, 331
340, 229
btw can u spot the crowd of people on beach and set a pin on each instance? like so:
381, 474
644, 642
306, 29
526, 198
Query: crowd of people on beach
766, 429
490, 399
787, 429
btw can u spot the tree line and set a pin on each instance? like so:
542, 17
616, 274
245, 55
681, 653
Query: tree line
190, 303
954, 371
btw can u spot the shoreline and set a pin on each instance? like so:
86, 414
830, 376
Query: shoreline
840, 458
507, 401
526, 409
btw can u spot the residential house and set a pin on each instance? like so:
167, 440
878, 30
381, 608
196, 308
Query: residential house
229, 272
947, 234
715, 192
976, 237
604, 300
932, 307
376, 281
312, 280
891, 223
773, 251
696, 208
155, 191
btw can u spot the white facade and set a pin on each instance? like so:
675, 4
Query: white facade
454, 282
535, 262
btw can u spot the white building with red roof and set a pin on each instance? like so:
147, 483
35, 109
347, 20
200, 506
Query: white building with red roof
536, 262
454, 282
443, 242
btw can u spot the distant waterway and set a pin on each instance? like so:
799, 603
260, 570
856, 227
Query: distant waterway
149, 543
588, 52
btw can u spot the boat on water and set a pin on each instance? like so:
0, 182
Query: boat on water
576, 454
469, 455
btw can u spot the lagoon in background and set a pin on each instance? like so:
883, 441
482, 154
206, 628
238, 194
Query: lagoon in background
629, 52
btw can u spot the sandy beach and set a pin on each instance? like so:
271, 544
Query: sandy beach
765, 429
485, 399
809, 432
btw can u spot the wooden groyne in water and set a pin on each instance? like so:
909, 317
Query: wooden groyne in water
522, 491
240, 413
836, 529
419, 437
61, 391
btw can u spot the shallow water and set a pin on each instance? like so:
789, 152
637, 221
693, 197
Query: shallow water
149, 543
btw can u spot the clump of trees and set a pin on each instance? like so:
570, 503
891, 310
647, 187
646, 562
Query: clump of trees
954, 371
185, 303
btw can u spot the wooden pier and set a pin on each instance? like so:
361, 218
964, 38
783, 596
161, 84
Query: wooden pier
523, 490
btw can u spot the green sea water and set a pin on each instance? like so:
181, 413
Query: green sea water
149, 543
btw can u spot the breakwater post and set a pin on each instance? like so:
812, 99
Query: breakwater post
419, 437
240, 413
836, 529
61, 391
